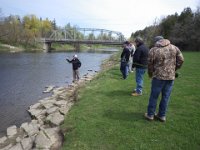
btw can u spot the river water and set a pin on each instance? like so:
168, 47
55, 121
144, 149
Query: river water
24, 76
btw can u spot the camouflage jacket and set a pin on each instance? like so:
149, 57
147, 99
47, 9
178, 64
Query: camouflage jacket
164, 59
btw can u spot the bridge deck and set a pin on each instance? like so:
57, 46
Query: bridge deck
75, 41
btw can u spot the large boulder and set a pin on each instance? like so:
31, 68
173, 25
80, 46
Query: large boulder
27, 143
42, 141
16, 147
11, 131
30, 128
55, 118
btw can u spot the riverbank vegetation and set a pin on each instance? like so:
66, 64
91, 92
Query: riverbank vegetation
106, 116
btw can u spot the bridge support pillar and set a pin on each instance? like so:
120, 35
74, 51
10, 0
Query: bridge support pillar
77, 46
47, 47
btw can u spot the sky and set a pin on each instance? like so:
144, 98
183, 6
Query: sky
125, 16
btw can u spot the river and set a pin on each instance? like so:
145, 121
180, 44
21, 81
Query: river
24, 76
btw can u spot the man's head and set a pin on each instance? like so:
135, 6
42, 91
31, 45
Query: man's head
157, 38
139, 40
126, 43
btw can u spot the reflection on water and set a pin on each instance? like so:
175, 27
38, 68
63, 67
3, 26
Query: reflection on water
23, 77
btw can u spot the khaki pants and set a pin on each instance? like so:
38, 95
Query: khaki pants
76, 75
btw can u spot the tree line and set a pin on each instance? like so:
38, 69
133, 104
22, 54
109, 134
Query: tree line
182, 30
15, 30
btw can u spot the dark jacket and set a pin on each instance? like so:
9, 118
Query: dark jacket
140, 57
75, 63
125, 55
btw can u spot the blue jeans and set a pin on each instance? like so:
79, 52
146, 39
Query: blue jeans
124, 69
157, 87
139, 79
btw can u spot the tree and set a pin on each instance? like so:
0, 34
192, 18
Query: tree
53, 24
167, 25
45, 28
31, 29
182, 30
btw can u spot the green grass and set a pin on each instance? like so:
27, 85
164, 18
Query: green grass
107, 117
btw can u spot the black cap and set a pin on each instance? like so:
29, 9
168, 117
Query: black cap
127, 42
139, 40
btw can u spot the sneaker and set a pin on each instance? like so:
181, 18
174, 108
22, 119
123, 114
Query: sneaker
134, 91
136, 94
162, 119
150, 118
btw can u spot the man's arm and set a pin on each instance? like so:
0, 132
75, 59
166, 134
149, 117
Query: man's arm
69, 61
127, 55
179, 59
151, 63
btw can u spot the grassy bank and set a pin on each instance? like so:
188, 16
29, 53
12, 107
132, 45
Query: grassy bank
107, 117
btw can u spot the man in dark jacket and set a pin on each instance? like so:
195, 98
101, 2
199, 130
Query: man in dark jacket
140, 61
76, 64
124, 66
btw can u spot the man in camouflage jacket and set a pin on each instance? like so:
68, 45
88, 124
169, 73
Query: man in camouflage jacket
164, 59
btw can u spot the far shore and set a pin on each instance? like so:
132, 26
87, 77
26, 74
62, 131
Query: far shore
6, 48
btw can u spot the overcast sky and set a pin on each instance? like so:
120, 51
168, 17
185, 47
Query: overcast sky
125, 16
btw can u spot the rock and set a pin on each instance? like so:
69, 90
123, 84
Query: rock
61, 97
88, 79
3, 139
48, 105
30, 128
52, 110
61, 103
64, 109
55, 136
18, 139
36, 112
48, 89
7, 147
11, 131
34, 121
16, 147
47, 102
42, 141
55, 118
35, 106
59, 90
40, 122
27, 143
